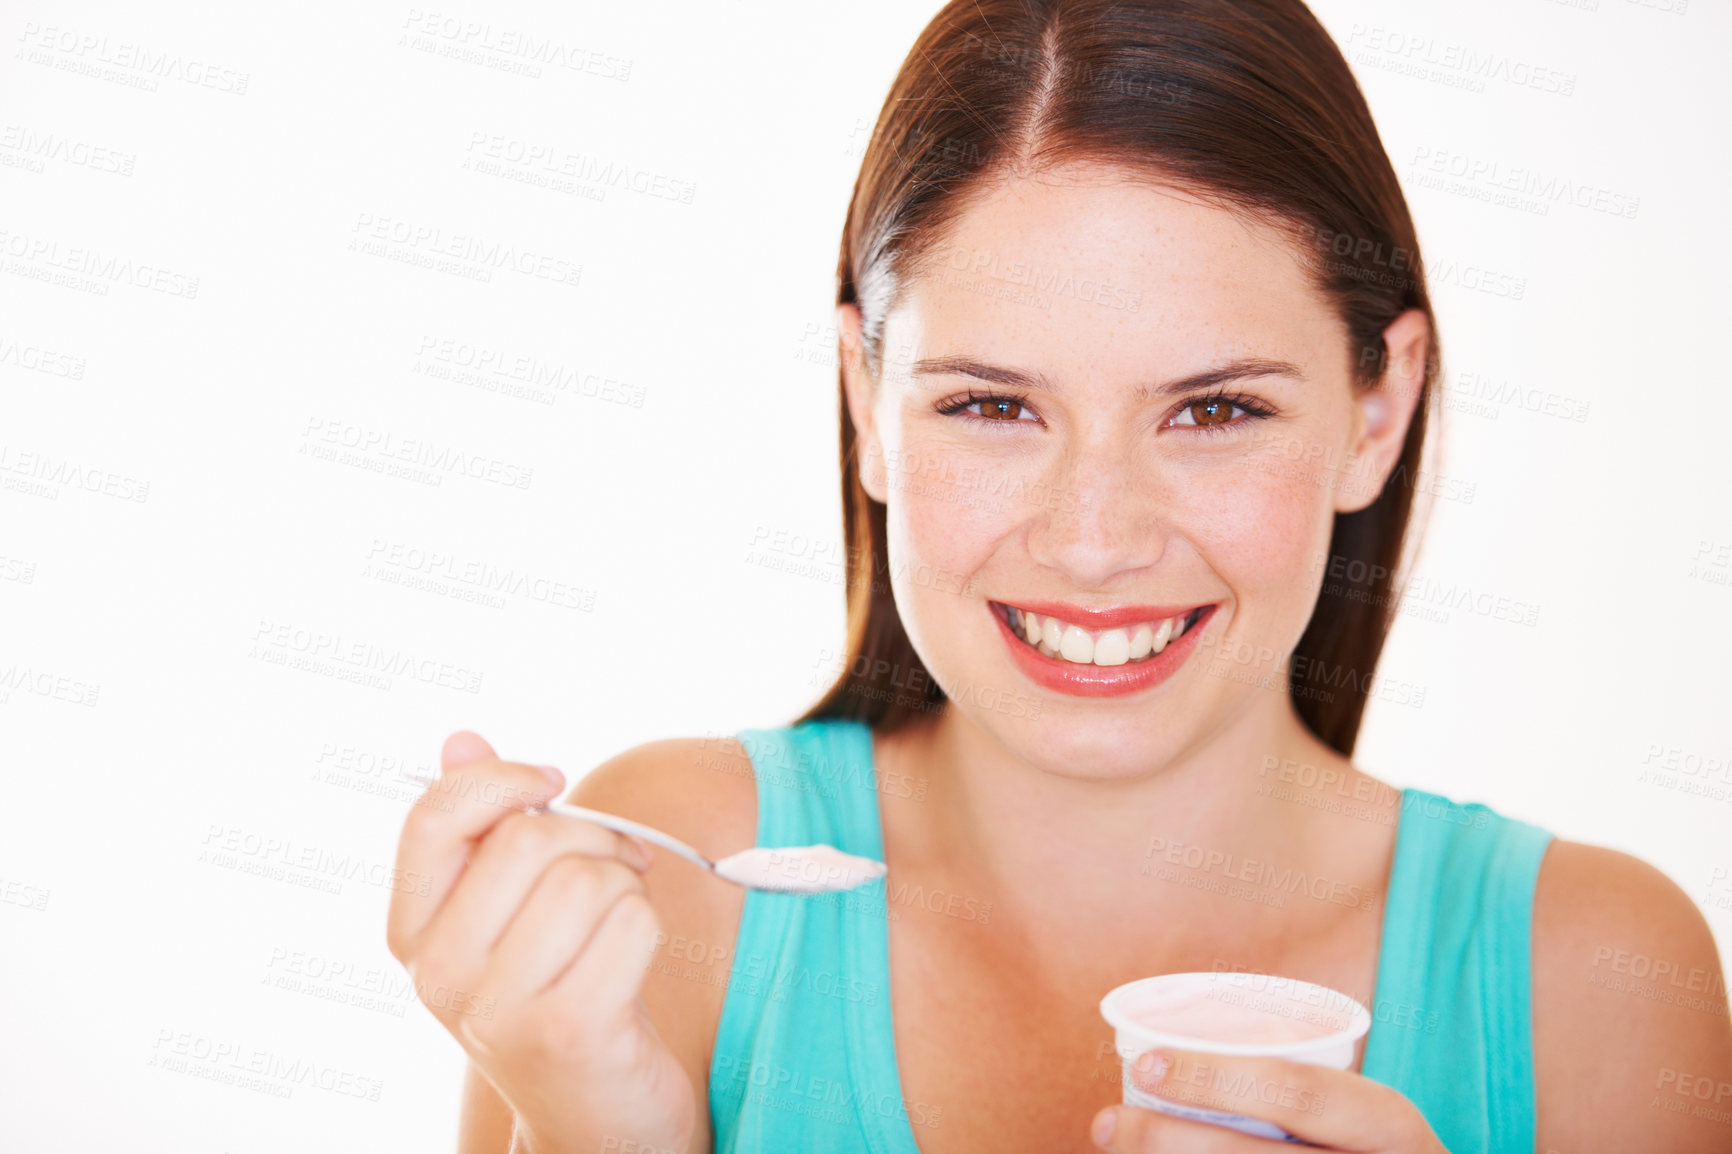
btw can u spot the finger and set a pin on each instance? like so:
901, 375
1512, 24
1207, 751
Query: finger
1321, 1105
463, 748
1138, 1131
501, 873
473, 794
557, 922
607, 976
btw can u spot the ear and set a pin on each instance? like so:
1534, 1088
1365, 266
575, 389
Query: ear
862, 393
1383, 412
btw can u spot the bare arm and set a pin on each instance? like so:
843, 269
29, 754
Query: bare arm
1632, 1045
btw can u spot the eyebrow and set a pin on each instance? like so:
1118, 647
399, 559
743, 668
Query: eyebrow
1211, 378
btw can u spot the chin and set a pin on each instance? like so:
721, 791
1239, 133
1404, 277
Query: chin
1086, 740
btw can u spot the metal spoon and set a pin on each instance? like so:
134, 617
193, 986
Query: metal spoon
751, 868
626, 825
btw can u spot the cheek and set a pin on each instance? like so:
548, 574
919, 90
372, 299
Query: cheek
1262, 524
951, 507
949, 514
936, 550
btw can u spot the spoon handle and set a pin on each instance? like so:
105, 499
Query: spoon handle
626, 825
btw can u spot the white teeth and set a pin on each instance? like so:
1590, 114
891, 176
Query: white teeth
1077, 645
1113, 648
1073, 643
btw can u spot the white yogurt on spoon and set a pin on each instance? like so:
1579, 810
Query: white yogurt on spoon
807, 869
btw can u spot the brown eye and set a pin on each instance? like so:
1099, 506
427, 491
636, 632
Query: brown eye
1219, 411
995, 409
1212, 412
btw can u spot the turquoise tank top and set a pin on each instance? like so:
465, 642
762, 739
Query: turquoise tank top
805, 1058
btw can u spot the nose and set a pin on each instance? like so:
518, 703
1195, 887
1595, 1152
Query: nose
1103, 517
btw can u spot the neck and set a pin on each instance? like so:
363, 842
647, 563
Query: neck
1066, 854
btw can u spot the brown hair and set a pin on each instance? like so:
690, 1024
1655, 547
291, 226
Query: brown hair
1245, 103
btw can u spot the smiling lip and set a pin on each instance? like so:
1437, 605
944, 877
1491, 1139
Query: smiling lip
1101, 680
1102, 618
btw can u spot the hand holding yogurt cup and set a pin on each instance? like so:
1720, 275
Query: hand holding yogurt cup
1264, 1058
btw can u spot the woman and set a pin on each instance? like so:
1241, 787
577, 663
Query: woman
1136, 352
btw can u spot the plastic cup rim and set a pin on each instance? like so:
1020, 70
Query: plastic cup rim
1112, 1010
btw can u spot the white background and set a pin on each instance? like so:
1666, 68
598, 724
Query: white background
148, 713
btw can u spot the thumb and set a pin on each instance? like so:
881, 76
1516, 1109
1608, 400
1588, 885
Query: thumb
463, 748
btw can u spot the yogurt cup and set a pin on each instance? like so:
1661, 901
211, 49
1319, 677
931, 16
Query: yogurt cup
1230, 1013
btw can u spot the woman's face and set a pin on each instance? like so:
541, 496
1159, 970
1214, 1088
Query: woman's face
1085, 473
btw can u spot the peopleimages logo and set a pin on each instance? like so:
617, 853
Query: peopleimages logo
422, 454
803, 1088
233, 1062
43, 254
36, 148
481, 42
1262, 874
37, 359
423, 244
45, 474
93, 55
271, 637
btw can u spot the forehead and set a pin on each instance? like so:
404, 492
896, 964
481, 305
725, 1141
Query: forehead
1103, 272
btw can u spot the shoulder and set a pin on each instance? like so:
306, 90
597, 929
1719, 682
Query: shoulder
1590, 902
1629, 1006
1589, 890
700, 789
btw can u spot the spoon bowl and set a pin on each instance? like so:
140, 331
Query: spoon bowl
793, 869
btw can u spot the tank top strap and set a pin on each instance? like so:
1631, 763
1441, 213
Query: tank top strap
1452, 1020
816, 783
802, 1057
